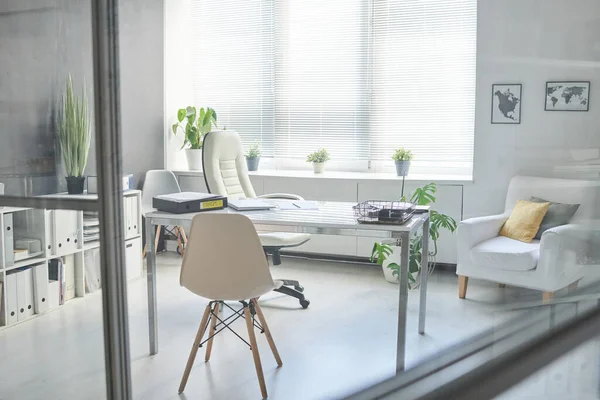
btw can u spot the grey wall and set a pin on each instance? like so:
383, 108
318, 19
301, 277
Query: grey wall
41, 41
531, 42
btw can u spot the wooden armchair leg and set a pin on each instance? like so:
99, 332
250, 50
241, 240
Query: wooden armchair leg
463, 281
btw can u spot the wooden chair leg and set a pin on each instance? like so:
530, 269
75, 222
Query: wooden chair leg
501, 285
179, 242
547, 296
157, 237
183, 235
211, 332
573, 286
255, 354
195, 347
463, 281
270, 340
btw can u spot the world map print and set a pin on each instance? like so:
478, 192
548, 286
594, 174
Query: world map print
567, 96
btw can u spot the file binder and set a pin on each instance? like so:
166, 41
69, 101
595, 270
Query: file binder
24, 294
40, 288
56, 273
188, 202
8, 241
65, 226
10, 286
53, 294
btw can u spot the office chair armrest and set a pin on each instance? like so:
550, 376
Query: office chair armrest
286, 196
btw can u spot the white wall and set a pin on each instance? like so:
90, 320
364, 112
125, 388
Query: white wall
531, 42
178, 76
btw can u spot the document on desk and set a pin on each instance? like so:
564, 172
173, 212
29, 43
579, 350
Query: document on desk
296, 204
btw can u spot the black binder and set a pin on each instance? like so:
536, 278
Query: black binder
188, 202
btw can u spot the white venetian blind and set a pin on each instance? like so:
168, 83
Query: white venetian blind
321, 78
423, 98
232, 50
358, 77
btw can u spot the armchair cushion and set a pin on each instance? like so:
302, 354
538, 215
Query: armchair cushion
524, 221
506, 254
558, 214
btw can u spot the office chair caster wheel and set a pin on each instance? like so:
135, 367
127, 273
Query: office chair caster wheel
299, 288
305, 303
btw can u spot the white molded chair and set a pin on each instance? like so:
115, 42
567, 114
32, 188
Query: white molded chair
212, 270
549, 264
226, 173
157, 182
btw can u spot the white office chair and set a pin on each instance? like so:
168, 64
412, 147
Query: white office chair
157, 182
226, 173
211, 270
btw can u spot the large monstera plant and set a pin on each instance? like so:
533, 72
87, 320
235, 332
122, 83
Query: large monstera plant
423, 196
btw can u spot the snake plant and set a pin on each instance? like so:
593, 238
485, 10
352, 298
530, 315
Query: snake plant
74, 130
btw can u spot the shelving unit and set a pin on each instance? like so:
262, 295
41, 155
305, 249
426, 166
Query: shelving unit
60, 234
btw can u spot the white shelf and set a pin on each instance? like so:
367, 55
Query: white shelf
27, 261
72, 223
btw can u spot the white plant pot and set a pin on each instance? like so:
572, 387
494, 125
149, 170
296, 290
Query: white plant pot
319, 168
393, 258
194, 159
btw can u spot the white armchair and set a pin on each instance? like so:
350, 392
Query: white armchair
549, 264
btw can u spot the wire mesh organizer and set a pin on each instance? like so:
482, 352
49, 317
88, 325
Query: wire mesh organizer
383, 212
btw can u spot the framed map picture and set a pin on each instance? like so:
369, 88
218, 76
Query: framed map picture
506, 103
568, 96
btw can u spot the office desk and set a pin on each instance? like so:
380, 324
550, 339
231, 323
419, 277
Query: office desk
332, 218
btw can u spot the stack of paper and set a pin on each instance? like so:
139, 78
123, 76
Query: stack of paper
91, 229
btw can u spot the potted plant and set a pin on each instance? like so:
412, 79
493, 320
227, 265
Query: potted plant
387, 254
402, 158
74, 136
253, 157
318, 160
198, 123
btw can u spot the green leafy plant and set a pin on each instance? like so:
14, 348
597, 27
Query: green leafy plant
319, 156
253, 151
74, 130
197, 125
402, 155
423, 196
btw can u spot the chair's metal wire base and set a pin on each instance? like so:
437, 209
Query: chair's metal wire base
237, 314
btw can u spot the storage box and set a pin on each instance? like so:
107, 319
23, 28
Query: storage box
188, 202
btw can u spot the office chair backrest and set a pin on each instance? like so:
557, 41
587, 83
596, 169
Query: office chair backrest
224, 259
224, 165
157, 182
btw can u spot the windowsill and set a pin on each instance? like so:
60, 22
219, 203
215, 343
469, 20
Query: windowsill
337, 175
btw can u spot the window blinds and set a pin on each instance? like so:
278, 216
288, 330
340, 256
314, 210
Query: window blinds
423, 98
232, 54
359, 77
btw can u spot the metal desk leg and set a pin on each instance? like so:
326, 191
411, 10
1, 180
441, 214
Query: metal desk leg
403, 302
151, 278
424, 276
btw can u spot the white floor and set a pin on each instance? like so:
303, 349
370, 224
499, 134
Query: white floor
345, 340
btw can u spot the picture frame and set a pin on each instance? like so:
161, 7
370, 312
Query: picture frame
567, 96
506, 103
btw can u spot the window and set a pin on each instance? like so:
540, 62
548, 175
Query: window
358, 77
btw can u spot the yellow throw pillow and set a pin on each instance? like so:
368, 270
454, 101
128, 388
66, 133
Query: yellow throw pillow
524, 221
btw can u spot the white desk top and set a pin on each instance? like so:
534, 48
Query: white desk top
331, 214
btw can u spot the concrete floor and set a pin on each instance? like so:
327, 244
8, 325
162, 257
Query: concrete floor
344, 341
